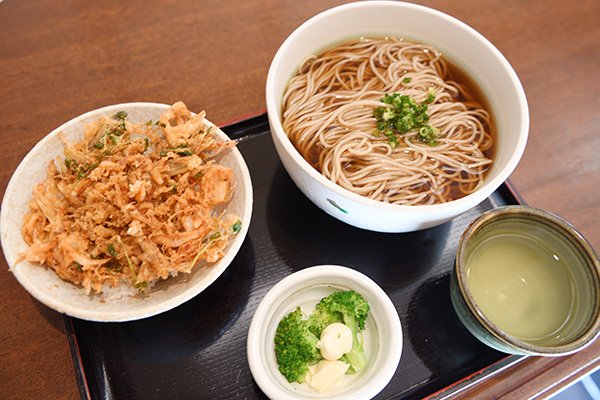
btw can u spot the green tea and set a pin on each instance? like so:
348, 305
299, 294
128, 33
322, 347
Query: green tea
523, 285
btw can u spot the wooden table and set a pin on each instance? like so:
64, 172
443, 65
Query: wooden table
59, 59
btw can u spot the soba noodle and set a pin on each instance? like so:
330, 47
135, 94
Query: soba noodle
328, 115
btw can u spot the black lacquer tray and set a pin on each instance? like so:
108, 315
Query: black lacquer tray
198, 350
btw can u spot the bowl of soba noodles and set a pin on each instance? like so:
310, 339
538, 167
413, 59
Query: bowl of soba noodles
394, 117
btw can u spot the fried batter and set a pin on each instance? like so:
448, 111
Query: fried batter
133, 203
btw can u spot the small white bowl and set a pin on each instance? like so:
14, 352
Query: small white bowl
382, 334
461, 44
64, 297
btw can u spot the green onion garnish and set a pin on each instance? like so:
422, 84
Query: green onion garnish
402, 115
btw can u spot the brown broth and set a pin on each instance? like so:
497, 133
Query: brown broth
458, 75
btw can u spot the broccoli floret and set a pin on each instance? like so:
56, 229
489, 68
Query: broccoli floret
295, 346
351, 309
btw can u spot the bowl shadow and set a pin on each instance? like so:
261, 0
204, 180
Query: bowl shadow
187, 329
304, 236
438, 336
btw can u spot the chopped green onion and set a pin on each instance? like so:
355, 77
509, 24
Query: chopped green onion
428, 135
402, 115
430, 96
406, 80
215, 235
111, 250
237, 226
98, 145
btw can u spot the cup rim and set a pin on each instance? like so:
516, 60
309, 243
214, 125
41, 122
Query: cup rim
462, 203
591, 331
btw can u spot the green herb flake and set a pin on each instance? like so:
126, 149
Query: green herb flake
69, 162
98, 145
118, 131
182, 150
237, 226
407, 80
149, 122
111, 250
113, 140
215, 235
132, 272
141, 285
78, 266
121, 115
146, 143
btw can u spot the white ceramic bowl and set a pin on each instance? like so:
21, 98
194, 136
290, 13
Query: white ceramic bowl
461, 44
382, 334
43, 284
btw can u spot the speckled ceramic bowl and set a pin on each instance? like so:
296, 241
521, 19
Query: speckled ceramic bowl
526, 282
64, 297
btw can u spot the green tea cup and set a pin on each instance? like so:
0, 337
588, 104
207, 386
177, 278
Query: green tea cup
527, 282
